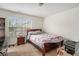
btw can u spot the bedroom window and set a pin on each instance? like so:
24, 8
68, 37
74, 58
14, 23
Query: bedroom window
19, 25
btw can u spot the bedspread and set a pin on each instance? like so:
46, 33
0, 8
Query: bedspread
45, 38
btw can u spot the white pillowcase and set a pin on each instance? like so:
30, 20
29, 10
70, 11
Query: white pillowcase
32, 33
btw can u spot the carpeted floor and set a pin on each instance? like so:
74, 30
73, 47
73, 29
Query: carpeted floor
29, 50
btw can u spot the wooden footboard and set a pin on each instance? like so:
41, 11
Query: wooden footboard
49, 46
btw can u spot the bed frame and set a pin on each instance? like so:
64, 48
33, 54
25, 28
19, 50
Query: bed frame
47, 46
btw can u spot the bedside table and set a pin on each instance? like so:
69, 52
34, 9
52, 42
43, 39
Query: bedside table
20, 40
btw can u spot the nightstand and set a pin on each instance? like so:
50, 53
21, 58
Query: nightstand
20, 40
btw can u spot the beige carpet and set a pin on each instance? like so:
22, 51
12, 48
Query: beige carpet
29, 50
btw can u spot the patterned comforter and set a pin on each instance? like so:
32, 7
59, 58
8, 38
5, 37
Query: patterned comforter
40, 39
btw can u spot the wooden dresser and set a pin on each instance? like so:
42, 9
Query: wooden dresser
72, 47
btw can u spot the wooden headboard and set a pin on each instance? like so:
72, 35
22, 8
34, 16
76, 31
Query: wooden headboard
33, 30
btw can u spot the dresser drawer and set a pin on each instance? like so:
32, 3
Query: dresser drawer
70, 51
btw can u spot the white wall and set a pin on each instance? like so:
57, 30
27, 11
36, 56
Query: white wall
64, 23
36, 22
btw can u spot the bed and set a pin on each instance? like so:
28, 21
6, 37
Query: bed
44, 41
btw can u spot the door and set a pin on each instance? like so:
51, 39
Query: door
2, 30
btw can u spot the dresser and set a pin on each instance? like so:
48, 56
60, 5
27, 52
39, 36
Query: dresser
72, 47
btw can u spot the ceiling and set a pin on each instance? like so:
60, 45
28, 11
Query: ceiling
45, 10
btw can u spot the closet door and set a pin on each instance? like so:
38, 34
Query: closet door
2, 30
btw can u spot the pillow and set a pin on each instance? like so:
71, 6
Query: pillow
32, 33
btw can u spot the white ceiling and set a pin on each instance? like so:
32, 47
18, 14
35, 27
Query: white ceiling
36, 10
